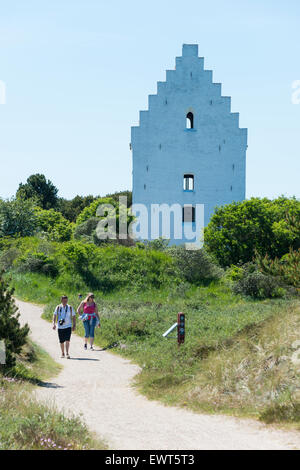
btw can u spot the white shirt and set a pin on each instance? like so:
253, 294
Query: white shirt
64, 313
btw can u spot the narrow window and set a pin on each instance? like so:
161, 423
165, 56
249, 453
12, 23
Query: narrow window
188, 214
188, 182
190, 121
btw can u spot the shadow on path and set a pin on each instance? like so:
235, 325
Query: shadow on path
82, 359
49, 385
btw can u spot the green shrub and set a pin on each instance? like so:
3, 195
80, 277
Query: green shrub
17, 218
76, 256
8, 257
287, 267
91, 210
234, 273
71, 209
258, 285
85, 230
117, 266
160, 244
110, 212
237, 231
37, 263
195, 266
113, 266
54, 225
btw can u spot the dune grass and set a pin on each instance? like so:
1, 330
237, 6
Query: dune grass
253, 374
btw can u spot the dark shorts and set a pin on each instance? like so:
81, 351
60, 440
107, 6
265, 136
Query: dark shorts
64, 334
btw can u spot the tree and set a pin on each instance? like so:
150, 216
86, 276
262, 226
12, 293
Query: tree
113, 211
115, 196
70, 209
42, 191
239, 230
11, 332
17, 218
54, 224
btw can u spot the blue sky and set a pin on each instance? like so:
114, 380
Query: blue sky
78, 72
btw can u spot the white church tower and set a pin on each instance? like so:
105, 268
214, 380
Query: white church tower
188, 151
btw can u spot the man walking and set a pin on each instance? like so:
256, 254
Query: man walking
65, 316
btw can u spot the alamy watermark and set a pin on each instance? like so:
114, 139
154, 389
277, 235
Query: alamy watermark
183, 223
2, 352
296, 92
2, 92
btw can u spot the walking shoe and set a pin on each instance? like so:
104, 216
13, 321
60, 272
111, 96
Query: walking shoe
85, 346
62, 356
68, 356
91, 348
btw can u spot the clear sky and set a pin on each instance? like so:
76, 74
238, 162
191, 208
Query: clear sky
77, 72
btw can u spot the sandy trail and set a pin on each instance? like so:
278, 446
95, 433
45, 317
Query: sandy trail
97, 384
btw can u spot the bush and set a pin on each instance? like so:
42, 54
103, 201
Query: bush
8, 257
37, 263
258, 285
195, 266
287, 268
76, 256
110, 213
159, 244
54, 225
234, 273
91, 210
85, 230
17, 218
71, 209
239, 230
114, 266
117, 266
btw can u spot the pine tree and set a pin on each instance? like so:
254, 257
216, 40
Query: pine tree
11, 332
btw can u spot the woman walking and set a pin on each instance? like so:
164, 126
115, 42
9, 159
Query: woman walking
90, 318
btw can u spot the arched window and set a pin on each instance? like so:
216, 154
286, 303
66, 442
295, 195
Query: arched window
190, 121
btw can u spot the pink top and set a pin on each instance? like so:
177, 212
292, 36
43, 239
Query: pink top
89, 309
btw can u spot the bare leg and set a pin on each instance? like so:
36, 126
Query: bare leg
91, 341
67, 347
62, 347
